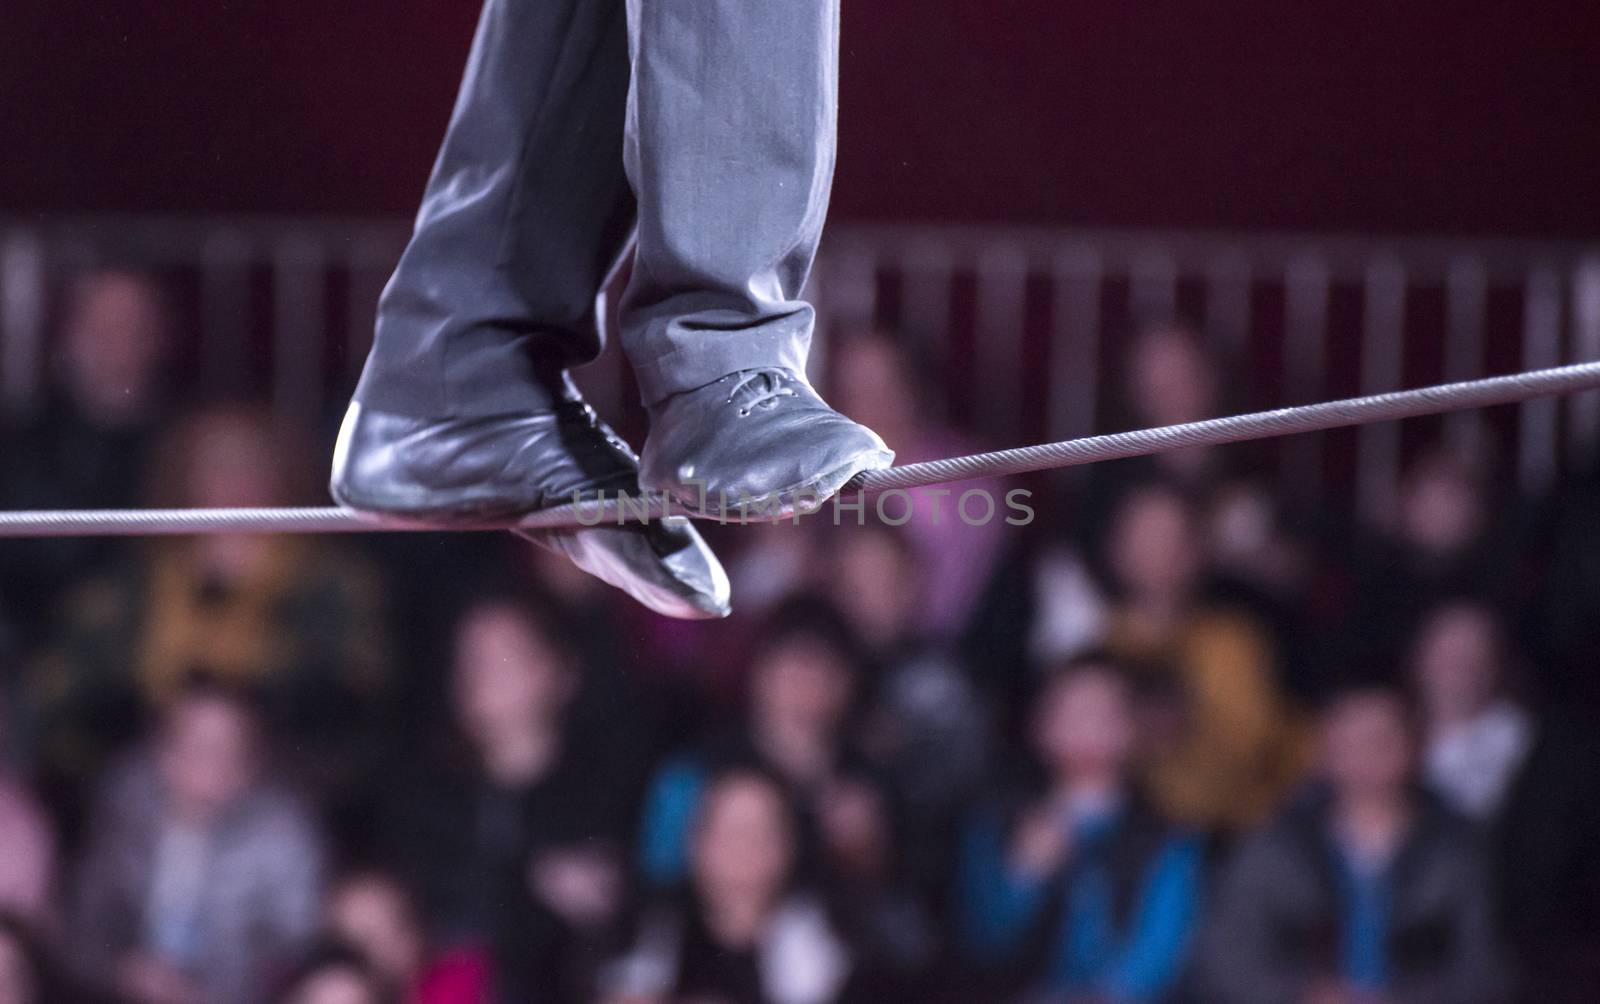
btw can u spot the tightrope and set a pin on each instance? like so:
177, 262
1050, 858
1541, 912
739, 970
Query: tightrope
1508, 389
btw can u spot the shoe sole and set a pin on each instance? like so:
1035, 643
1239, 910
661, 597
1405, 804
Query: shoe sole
414, 516
783, 504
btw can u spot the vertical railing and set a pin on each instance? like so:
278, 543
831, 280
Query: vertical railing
22, 320
1040, 312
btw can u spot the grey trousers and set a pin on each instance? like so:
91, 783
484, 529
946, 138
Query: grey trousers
705, 127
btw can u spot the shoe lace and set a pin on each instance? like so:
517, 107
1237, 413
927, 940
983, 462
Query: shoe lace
764, 386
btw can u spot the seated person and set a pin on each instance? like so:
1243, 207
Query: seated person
85, 445
1527, 779
511, 830
802, 687
740, 934
1081, 891
373, 913
1237, 744
1365, 889
1476, 738
296, 619
201, 878
803, 681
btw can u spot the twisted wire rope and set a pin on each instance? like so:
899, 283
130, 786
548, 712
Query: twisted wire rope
1483, 393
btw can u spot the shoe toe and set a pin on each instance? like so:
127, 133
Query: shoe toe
800, 449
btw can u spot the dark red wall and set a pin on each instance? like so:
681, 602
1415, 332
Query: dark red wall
1476, 117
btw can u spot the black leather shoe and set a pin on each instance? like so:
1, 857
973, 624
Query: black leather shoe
440, 473
756, 444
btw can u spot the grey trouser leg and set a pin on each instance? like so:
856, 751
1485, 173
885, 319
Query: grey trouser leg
727, 134
730, 149
526, 213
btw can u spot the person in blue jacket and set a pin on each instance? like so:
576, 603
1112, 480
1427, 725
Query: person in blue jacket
1080, 892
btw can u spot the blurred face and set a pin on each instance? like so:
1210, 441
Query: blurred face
373, 915
508, 677
801, 684
1085, 724
874, 388
877, 575
1441, 510
1368, 745
115, 336
1155, 550
207, 756
16, 975
336, 985
233, 462
744, 845
1456, 662
1171, 379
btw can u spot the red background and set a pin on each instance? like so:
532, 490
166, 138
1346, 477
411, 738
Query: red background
1480, 118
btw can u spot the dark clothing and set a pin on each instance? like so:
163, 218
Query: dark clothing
466, 845
1548, 878
1288, 917
60, 460
799, 958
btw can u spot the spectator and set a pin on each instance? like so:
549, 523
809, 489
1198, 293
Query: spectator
86, 446
1255, 549
296, 619
1527, 781
1235, 745
878, 382
744, 933
924, 727
1476, 738
1081, 892
373, 912
200, 881
336, 975
1364, 890
511, 836
803, 682
1440, 542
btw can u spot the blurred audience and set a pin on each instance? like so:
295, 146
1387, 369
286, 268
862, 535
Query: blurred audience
1080, 891
87, 445
925, 726
877, 382
743, 931
1364, 889
1226, 743
295, 618
512, 833
1440, 541
803, 684
200, 880
1476, 738
1527, 780
375, 914
931, 762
